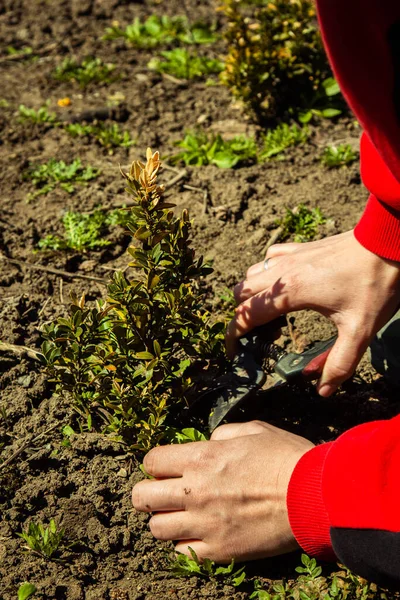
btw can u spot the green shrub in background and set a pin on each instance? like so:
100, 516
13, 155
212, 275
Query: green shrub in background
276, 62
124, 359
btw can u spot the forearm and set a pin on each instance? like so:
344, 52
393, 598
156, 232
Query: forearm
362, 39
343, 501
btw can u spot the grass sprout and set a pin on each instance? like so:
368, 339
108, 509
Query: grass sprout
26, 590
183, 64
338, 156
302, 223
45, 541
277, 140
55, 173
42, 115
200, 148
84, 231
157, 30
90, 70
187, 566
109, 136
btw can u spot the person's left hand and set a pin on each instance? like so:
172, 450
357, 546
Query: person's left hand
225, 498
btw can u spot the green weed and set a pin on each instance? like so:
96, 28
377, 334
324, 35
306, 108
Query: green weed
90, 70
26, 590
187, 566
302, 223
45, 541
109, 136
312, 585
200, 148
327, 102
156, 30
284, 136
338, 156
183, 436
125, 360
55, 173
42, 115
183, 64
84, 231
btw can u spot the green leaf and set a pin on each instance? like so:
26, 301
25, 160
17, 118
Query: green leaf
144, 355
329, 113
331, 87
26, 590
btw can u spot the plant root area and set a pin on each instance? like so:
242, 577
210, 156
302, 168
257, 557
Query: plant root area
85, 484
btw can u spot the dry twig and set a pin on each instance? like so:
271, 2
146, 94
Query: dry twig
52, 270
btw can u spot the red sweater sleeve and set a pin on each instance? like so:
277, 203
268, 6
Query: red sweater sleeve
343, 500
362, 38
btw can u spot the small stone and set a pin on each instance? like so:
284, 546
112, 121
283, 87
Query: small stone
122, 473
24, 381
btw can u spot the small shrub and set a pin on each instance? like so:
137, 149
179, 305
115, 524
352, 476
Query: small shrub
200, 148
90, 70
183, 64
284, 136
338, 156
57, 173
42, 115
156, 30
125, 360
84, 232
301, 222
276, 62
42, 540
109, 136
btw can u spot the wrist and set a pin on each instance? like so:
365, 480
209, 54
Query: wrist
308, 516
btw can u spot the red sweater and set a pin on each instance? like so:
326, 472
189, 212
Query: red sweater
343, 497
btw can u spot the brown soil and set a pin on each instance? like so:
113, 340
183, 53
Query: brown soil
86, 487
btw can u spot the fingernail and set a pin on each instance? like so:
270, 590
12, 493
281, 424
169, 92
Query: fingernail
326, 390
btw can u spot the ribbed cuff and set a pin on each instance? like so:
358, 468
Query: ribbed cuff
379, 229
308, 516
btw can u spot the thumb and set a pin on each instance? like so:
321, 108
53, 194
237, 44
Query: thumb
342, 360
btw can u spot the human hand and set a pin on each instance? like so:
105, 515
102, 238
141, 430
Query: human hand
335, 276
225, 498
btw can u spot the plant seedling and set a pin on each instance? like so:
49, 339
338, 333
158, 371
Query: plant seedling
327, 102
124, 360
84, 231
44, 541
157, 30
284, 136
187, 566
109, 136
200, 148
90, 70
57, 173
26, 590
186, 435
42, 115
338, 156
301, 222
183, 64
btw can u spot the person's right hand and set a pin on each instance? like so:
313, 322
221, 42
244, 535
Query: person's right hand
337, 277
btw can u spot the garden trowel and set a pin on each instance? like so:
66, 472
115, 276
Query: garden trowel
247, 375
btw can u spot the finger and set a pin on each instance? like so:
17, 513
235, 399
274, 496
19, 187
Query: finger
240, 289
261, 267
164, 494
171, 461
281, 297
341, 362
174, 526
234, 430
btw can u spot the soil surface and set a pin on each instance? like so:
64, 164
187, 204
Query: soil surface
86, 486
